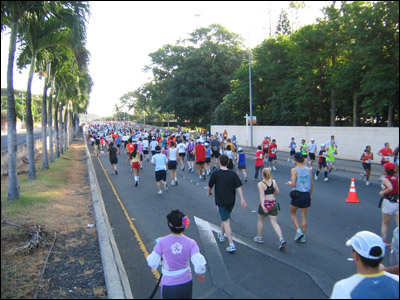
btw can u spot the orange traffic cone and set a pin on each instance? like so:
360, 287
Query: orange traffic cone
352, 196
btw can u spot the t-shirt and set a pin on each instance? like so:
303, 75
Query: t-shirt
176, 252
312, 147
259, 158
378, 286
160, 161
181, 147
215, 144
386, 154
242, 159
226, 182
130, 147
272, 149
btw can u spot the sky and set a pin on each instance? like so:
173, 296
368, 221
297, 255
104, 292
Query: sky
121, 35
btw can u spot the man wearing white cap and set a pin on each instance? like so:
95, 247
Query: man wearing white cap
369, 282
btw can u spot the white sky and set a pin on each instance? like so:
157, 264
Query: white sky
121, 34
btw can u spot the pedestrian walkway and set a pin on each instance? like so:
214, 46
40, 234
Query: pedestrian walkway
341, 164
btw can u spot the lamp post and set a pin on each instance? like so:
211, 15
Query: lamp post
251, 101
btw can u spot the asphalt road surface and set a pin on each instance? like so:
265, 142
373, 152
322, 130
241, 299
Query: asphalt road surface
255, 271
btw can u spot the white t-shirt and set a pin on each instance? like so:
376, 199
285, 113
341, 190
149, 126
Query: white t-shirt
181, 147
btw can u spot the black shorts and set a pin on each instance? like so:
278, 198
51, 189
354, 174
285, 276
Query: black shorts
182, 154
215, 154
312, 156
200, 162
180, 291
208, 159
303, 201
172, 165
366, 166
292, 152
265, 151
161, 175
322, 164
145, 151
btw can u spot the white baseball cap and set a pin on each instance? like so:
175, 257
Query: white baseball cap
363, 242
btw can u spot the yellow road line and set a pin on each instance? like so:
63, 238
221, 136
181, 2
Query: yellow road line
136, 233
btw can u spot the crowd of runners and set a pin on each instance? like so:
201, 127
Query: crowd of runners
213, 154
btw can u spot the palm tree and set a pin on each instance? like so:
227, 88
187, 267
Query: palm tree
12, 13
41, 32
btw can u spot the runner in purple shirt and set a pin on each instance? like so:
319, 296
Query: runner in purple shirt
176, 250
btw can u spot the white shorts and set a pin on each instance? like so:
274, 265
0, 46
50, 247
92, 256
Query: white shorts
390, 208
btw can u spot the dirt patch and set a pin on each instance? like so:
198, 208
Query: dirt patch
74, 269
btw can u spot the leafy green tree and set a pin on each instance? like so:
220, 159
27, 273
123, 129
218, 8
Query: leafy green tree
191, 81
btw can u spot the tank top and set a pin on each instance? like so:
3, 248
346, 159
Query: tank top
367, 158
172, 154
394, 180
303, 183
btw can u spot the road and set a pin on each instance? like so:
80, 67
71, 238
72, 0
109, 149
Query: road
255, 271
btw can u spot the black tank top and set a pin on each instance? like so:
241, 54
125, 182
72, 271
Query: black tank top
270, 189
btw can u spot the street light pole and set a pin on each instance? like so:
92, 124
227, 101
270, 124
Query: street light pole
251, 102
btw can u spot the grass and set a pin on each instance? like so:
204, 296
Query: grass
53, 199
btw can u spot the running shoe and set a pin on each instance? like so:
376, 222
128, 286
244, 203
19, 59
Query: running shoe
245, 179
231, 248
183, 169
116, 172
159, 192
316, 177
326, 179
259, 240
299, 235
367, 183
172, 182
362, 176
282, 244
136, 183
303, 239
190, 169
166, 187
221, 237
176, 182
273, 167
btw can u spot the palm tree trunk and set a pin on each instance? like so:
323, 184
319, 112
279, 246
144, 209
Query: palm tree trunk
61, 130
56, 126
50, 121
13, 189
45, 158
29, 123
66, 128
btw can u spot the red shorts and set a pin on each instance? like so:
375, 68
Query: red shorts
136, 165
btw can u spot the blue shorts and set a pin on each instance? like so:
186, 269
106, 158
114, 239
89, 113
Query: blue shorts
303, 201
225, 212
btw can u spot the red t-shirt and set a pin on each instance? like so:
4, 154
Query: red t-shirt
130, 147
272, 149
265, 144
259, 158
386, 153
200, 153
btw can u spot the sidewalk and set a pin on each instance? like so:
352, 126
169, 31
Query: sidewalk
341, 164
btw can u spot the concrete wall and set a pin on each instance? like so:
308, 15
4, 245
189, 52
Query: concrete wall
22, 154
351, 140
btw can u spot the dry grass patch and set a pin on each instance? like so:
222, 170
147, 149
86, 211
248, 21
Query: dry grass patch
59, 198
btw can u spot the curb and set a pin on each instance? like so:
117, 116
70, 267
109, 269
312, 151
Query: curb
117, 282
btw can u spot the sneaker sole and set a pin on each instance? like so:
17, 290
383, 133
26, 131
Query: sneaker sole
299, 238
282, 246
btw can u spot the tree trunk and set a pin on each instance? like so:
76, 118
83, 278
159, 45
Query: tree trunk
13, 189
333, 108
45, 158
56, 126
29, 122
61, 130
66, 128
390, 114
355, 100
50, 121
